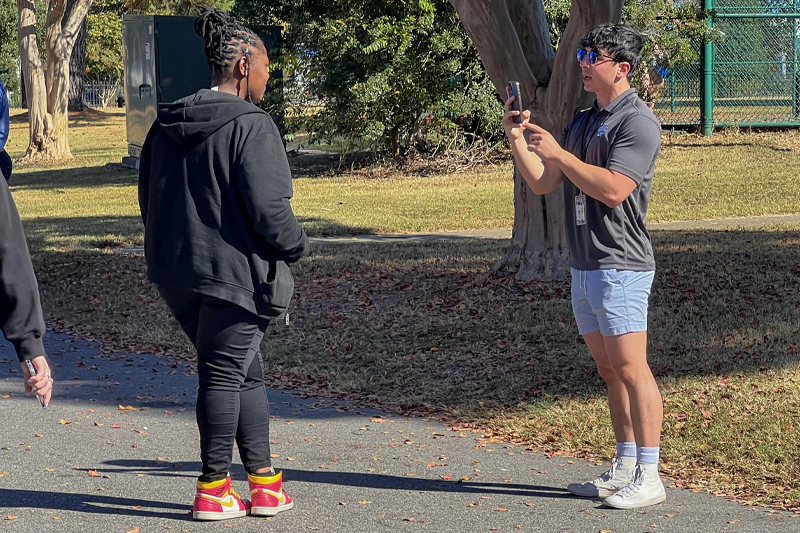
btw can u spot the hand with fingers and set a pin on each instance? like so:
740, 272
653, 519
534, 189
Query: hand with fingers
42, 382
514, 130
542, 143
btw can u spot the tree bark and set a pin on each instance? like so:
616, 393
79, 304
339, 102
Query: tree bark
513, 41
47, 87
33, 78
77, 66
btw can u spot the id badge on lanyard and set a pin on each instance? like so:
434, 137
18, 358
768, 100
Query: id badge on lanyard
580, 209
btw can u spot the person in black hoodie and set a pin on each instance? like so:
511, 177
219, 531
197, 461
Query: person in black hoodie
20, 308
214, 192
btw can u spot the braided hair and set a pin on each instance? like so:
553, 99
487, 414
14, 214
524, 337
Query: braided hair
226, 39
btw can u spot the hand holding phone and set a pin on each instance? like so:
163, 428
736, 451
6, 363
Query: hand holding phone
516, 105
32, 370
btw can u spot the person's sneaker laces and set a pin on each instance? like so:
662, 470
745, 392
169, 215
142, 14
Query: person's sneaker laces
609, 482
216, 500
268, 495
644, 489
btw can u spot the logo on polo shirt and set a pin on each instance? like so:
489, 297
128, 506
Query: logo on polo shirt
602, 130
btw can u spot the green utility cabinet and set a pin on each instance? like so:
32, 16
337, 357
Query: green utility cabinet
164, 61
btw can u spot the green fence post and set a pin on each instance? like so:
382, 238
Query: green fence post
707, 61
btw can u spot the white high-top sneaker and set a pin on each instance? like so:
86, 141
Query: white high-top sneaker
609, 482
644, 489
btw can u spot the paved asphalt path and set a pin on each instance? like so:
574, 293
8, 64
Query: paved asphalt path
86, 465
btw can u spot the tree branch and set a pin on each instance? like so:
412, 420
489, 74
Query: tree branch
491, 28
74, 20
530, 22
561, 103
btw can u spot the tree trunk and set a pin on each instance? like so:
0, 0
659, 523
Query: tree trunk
47, 88
513, 41
77, 66
33, 78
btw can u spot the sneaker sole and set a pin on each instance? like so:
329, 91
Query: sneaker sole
577, 490
208, 516
637, 505
270, 511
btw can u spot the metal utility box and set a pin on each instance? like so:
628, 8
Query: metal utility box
164, 61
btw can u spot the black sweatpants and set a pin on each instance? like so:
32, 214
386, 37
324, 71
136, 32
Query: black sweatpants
231, 398
6, 165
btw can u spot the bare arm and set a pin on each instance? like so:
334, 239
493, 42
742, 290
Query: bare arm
542, 177
607, 186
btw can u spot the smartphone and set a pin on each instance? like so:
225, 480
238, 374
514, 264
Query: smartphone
32, 370
516, 105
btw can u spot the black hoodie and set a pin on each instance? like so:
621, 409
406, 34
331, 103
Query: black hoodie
20, 309
214, 191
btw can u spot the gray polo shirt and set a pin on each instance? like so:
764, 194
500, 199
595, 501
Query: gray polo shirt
624, 136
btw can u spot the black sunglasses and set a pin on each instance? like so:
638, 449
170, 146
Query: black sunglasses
593, 55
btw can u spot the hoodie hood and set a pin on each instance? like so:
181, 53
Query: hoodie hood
193, 119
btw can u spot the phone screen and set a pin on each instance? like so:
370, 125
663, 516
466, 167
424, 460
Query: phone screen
513, 90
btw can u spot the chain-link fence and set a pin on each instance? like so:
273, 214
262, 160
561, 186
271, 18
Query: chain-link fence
753, 73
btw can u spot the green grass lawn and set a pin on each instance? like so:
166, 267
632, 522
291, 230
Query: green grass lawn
426, 329
732, 174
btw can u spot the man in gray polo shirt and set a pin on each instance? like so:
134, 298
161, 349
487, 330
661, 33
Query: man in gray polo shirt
605, 160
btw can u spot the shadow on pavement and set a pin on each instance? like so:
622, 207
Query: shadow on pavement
350, 479
91, 503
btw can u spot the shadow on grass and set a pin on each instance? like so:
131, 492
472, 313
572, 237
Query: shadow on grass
324, 227
88, 115
83, 232
425, 325
110, 174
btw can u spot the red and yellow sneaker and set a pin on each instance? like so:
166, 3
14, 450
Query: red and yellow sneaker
216, 500
268, 495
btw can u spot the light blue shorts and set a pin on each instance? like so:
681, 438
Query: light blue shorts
613, 302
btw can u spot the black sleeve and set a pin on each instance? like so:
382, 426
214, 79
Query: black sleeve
144, 173
20, 309
265, 182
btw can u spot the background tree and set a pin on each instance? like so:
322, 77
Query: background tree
77, 65
9, 54
534, 42
104, 61
398, 76
514, 43
47, 84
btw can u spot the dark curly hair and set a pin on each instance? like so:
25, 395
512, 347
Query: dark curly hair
225, 39
621, 42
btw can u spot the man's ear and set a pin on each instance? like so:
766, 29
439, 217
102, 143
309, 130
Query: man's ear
624, 69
